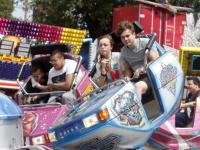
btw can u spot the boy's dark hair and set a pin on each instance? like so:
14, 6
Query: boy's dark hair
195, 80
57, 52
36, 68
123, 26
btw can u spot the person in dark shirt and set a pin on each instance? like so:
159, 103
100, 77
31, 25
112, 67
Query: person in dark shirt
193, 88
39, 84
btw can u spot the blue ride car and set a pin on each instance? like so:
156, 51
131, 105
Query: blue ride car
115, 118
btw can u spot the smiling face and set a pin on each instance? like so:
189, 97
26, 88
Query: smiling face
128, 38
57, 62
105, 47
193, 88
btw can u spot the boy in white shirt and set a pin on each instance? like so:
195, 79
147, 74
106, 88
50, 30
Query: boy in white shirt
60, 78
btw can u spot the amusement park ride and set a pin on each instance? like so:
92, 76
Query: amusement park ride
110, 117
167, 136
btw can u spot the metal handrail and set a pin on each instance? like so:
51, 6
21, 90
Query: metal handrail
35, 105
76, 71
148, 47
93, 83
98, 90
46, 93
19, 75
11, 115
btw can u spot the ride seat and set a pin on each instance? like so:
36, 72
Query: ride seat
82, 85
22, 50
6, 47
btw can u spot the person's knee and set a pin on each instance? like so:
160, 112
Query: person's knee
137, 86
52, 99
67, 98
68, 95
140, 87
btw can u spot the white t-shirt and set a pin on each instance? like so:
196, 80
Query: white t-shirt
34, 83
60, 75
114, 69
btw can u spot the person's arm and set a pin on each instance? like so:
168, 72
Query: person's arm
153, 56
42, 87
185, 105
189, 104
35, 98
127, 72
103, 78
122, 64
63, 86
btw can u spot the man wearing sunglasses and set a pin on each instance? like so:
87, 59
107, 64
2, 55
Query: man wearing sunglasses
60, 78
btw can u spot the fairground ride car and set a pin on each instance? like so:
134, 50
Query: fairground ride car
114, 117
168, 136
11, 116
39, 117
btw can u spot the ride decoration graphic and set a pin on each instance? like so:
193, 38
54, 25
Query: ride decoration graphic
127, 109
30, 122
168, 77
107, 143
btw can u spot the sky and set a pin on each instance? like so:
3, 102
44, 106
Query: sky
19, 12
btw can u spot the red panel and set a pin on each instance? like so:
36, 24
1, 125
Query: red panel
170, 31
170, 23
162, 25
157, 24
180, 23
116, 17
169, 40
175, 29
178, 42
179, 29
146, 18
163, 28
129, 13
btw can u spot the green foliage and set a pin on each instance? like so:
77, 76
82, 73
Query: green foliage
95, 16
6, 8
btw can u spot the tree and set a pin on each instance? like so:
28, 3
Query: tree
93, 15
97, 15
6, 8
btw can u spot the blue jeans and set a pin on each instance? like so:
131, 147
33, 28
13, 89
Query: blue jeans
180, 119
42, 101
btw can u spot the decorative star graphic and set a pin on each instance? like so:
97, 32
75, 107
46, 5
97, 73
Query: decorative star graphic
168, 77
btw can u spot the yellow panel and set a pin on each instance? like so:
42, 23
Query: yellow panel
185, 61
13, 59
